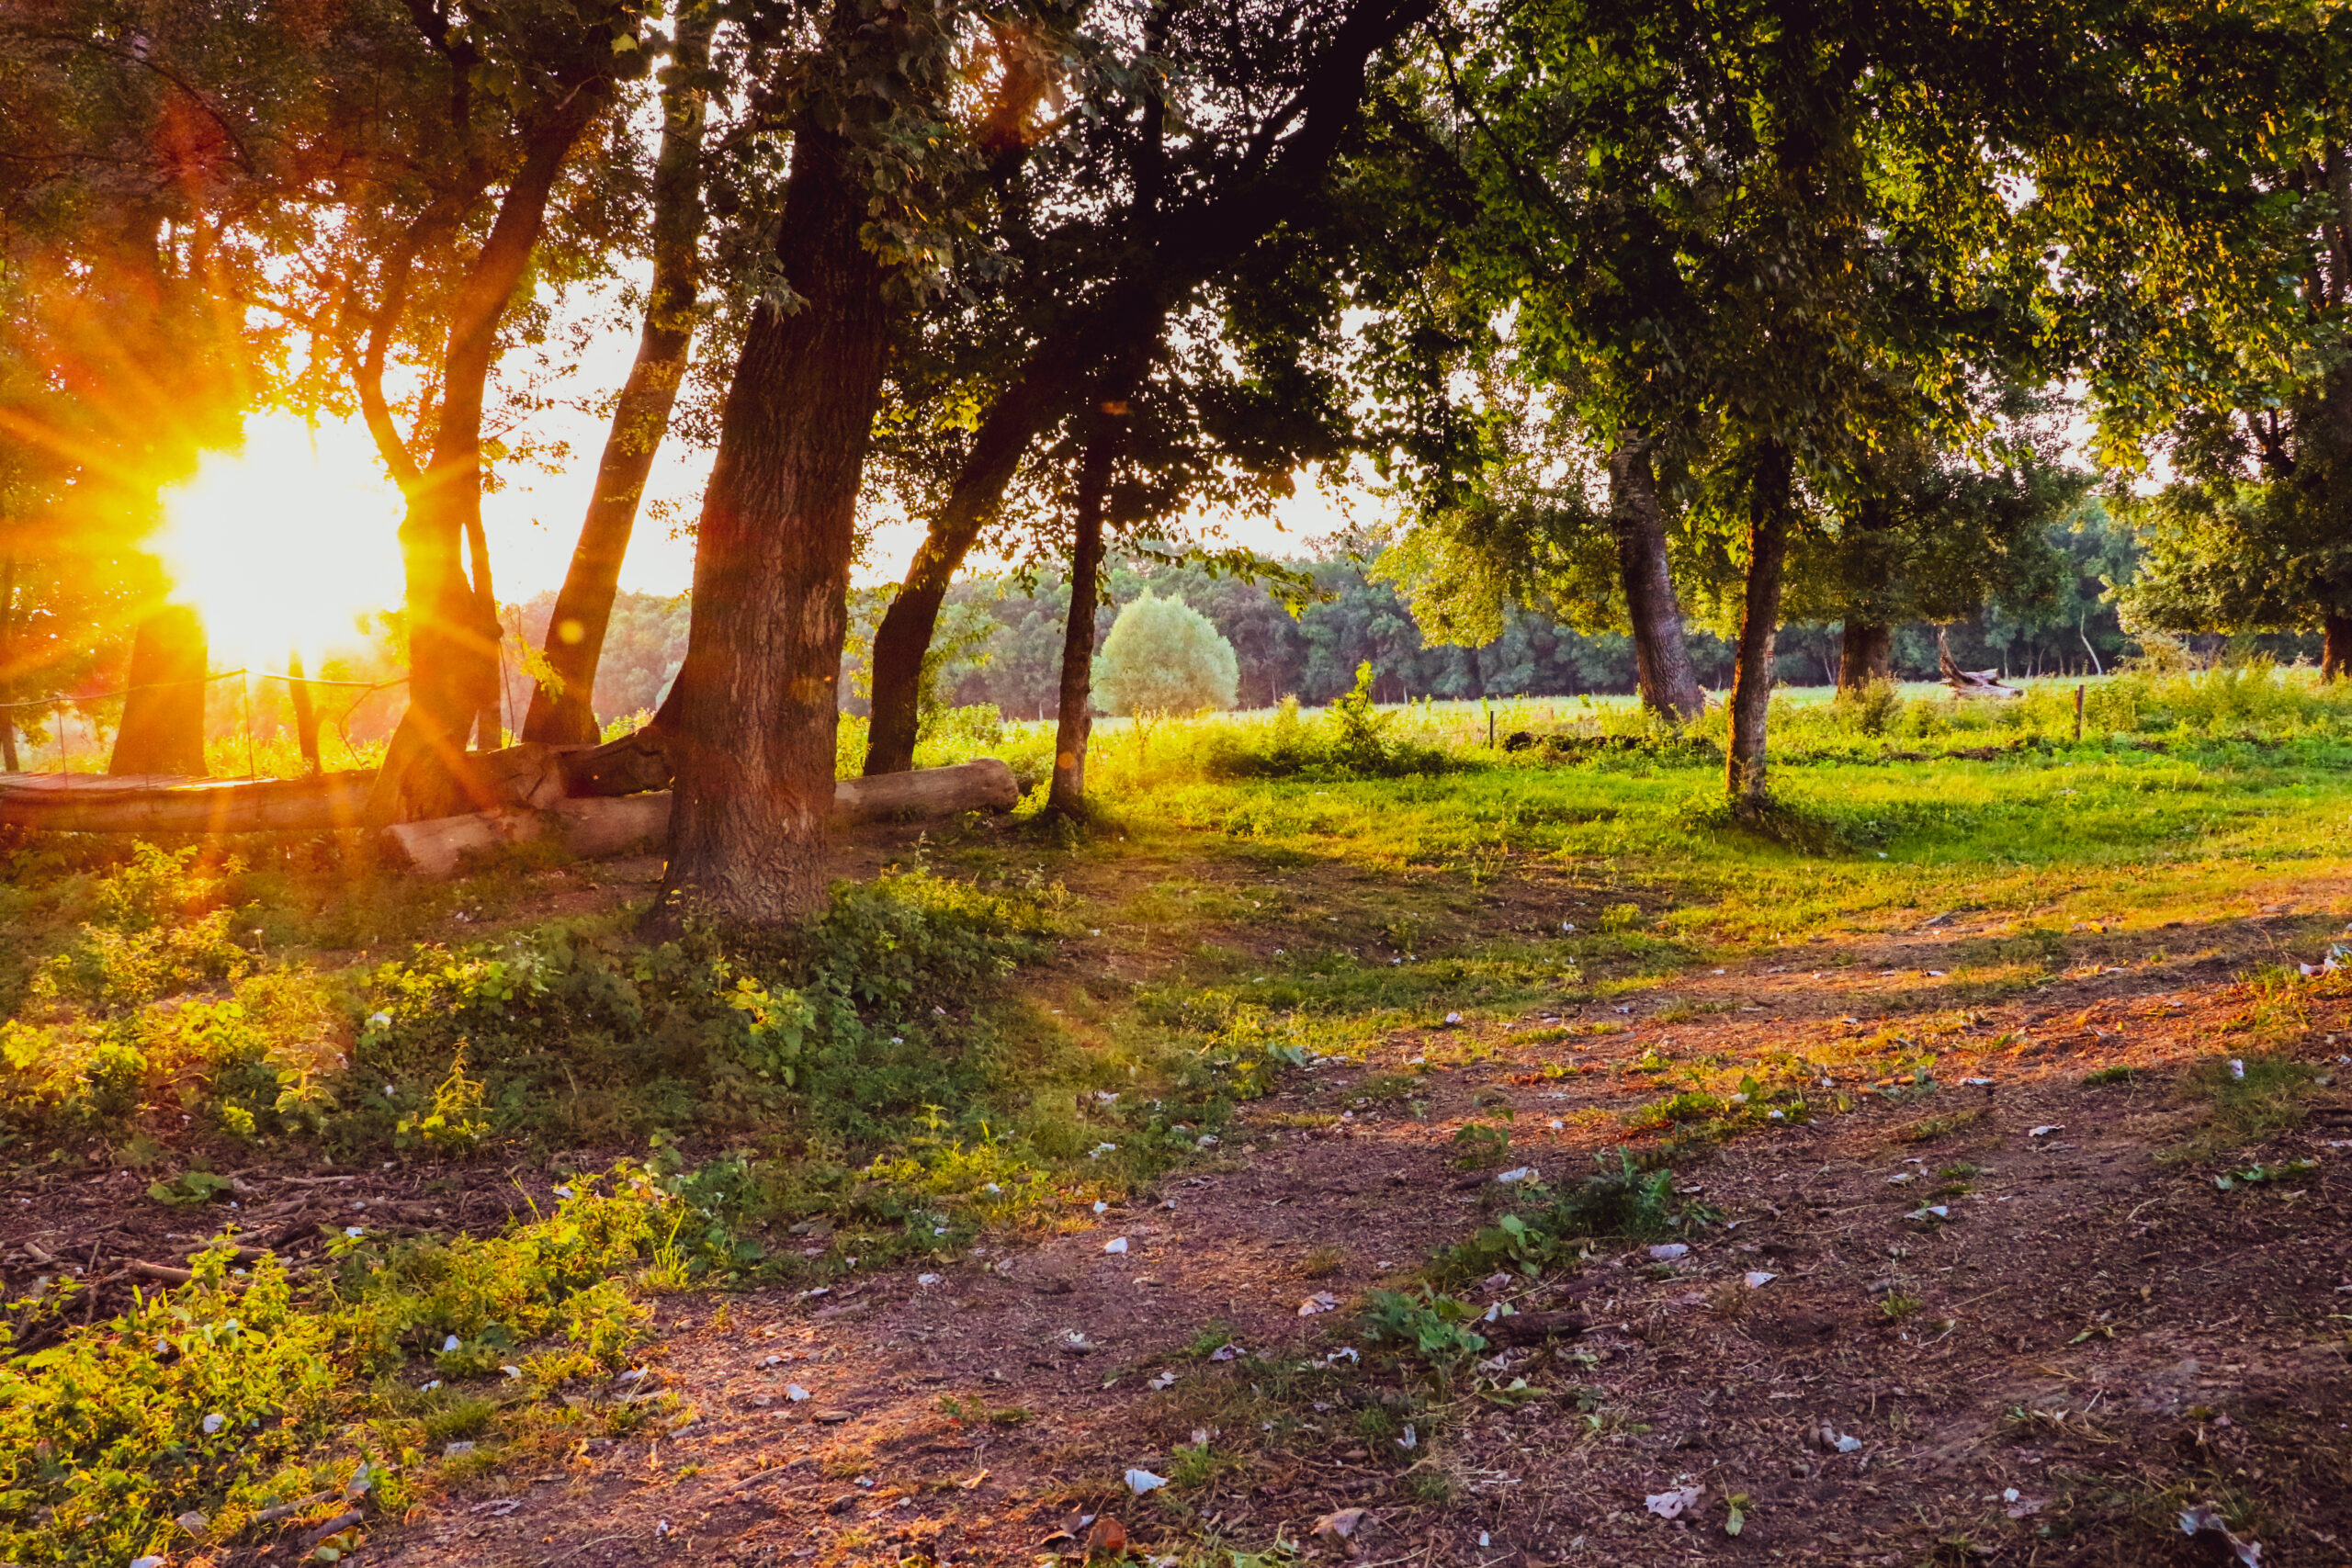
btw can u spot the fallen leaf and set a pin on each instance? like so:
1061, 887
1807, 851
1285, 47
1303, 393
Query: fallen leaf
1108, 1537
1342, 1522
2204, 1519
1321, 1300
1675, 1501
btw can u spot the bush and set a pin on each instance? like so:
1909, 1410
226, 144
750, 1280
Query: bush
1163, 656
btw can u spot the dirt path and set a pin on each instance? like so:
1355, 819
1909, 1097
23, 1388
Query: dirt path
2086, 1342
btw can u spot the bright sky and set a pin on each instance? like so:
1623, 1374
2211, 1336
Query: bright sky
285, 543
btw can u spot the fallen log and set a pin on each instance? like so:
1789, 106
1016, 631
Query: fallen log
164, 803
598, 826
1969, 683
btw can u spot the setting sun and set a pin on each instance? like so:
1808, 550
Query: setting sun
285, 544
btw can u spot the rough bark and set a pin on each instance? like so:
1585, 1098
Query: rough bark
1668, 682
163, 715
453, 622
1865, 656
1182, 247
1769, 499
1067, 793
752, 743
560, 710
2336, 650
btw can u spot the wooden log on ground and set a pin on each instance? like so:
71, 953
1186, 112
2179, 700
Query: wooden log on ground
630, 766
599, 827
165, 803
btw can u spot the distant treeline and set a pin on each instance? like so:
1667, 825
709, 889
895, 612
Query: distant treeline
1314, 655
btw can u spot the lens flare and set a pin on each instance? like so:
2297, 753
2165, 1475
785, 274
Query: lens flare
285, 544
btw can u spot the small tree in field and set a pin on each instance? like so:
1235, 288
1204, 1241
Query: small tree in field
1163, 656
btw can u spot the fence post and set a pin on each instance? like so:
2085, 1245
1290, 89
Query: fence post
2079, 716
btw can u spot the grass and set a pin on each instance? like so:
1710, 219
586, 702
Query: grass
1015, 1025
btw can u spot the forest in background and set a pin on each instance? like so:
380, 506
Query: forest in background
1002, 637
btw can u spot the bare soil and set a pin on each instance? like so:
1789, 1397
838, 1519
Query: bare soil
2093, 1337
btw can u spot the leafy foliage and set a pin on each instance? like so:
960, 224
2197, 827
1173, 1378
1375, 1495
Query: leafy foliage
1163, 657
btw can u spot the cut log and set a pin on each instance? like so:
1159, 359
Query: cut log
597, 827
166, 802
630, 766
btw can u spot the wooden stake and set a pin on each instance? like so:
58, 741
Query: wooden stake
2079, 716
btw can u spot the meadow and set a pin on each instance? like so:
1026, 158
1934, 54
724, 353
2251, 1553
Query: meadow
351, 1210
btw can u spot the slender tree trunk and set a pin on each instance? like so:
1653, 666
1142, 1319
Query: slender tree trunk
1067, 793
2336, 650
561, 710
453, 622
1012, 422
163, 715
1177, 256
306, 712
8, 668
751, 745
1668, 682
1751, 688
1865, 654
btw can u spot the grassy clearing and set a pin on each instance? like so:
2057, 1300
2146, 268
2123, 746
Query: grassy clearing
1020, 1023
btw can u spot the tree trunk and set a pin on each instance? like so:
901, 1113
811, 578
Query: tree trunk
1669, 684
453, 627
1751, 683
7, 669
1015, 419
1177, 255
163, 715
561, 709
2336, 650
1067, 793
1865, 656
752, 746
306, 712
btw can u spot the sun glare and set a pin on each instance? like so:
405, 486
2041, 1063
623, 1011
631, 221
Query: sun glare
285, 544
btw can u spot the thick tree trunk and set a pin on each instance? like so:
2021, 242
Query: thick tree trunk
1668, 682
1751, 687
163, 715
561, 709
1865, 656
1067, 793
8, 668
753, 742
2336, 650
453, 621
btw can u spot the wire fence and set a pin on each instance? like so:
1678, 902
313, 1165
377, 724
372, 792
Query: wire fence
58, 703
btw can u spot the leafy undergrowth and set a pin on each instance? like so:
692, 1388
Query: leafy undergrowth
246, 1398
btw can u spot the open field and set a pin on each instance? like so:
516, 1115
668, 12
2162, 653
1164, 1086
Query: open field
2005, 1136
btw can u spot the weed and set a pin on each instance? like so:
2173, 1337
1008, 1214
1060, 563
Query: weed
1928, 1129
1477, 1147
2249, 1098
2121, 1073
1618, 1199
